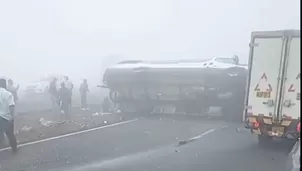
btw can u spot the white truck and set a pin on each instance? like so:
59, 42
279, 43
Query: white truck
272, 101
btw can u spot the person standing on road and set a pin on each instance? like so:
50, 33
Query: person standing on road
83, 91
53, 91
7, 112
64, 96
69, 86
106, 105
13, 89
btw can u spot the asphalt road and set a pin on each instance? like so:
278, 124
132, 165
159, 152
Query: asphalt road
151, 143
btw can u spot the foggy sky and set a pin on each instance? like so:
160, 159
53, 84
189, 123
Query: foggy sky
74, 37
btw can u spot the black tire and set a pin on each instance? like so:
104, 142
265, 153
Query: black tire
264, 140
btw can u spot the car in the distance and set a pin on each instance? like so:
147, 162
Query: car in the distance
42, 86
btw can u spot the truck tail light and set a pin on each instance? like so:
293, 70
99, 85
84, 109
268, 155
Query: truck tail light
256, 124
298, 127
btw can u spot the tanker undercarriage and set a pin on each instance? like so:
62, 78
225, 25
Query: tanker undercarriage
191, 100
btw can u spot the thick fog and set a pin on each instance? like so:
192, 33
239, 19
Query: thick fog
80, 37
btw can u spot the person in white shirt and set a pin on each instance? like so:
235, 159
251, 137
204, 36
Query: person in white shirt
13, 89
7, 110
68, 84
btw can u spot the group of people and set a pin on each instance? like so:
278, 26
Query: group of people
62, 97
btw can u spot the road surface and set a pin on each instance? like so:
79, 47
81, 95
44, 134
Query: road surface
150, 143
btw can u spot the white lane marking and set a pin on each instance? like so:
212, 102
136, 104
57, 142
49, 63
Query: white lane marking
202, 135
122, 161
70, 134
133, 158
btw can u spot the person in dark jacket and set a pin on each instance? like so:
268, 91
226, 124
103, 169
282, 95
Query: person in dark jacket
53, 91
106, 105
83, 91
64, 96
69, 86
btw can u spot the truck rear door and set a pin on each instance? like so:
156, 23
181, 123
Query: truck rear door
265, 63
290, 99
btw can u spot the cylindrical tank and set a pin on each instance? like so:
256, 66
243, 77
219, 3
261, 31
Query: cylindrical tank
144, 83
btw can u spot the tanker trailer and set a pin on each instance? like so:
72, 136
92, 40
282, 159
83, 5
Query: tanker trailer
189, 87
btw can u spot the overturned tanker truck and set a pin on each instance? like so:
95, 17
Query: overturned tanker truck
183, 86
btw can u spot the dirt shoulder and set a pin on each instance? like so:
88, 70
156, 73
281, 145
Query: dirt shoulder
39, 125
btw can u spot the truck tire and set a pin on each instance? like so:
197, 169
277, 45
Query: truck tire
264, 140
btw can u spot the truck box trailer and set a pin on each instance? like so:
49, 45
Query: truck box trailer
272, 101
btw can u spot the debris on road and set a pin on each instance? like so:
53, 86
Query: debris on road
36, 126
95, 114
45, 123
105, 113
223, 126
183, 142
238, 130
26, 128
84, 126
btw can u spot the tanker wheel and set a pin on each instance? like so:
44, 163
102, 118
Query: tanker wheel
228, 110
127, 108
205, 109
233, 114
232, 109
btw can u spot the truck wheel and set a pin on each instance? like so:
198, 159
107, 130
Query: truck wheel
264, 140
